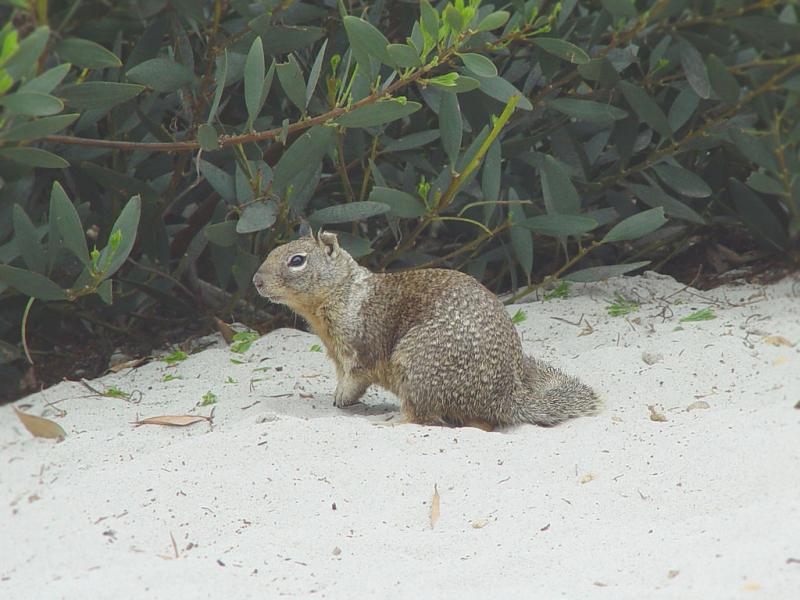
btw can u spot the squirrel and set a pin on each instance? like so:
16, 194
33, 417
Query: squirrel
436, 338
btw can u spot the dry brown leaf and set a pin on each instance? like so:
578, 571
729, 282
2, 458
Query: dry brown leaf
587, 478
434, 506
129, 364
479, 523
655, 415
173, 420
225, 330
777, 340
39, 426
751, 586
698, 404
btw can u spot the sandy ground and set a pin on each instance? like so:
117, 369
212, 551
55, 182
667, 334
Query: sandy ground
287, 496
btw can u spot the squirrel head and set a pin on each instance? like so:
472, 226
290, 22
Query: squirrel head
305, 272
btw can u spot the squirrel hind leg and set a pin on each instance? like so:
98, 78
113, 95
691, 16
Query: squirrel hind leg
547, 396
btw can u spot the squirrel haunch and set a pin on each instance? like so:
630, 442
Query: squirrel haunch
436, 338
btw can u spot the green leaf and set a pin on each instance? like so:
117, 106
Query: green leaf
218, 179
254, 72
207, 137
704, 314
27, 240
105, 291
372, 115
695, 69
563, 49
28, 53
479, 64
645, 107
754, 149
86, 54
757, 216
588, 110
683, 181
316, 69
221, 234
450, 126
257, 217
429, 18
31, 284
292, 82
500, 89
722, 82
682, 108
765, 184
99, 94
33, 104
347, 213
367, 40
653, 196
452, 16
64, 218
620, 8
493, 21
559, 225
47, 81
521, 238
636, 226
34, 157
284, 39
403, 205
124, 230
307, 149
404, 56
222, 79
411, 141
161, 74
33, 130
560, 196
602, 273
453, 83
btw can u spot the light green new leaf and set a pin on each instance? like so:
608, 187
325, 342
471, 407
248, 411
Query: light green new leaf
403, 205
64, 218
31, 284
124, 232
86, 54
563, 49
34, 104
347, 213
27, 55
372, 115
161, 74
636, 226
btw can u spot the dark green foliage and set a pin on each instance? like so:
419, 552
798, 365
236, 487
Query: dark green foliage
498, 138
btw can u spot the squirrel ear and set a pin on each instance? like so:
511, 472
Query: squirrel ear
305, 230
329, 243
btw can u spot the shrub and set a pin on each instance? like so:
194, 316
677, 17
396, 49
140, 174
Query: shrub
514, 140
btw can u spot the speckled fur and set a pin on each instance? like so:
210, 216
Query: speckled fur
436, 338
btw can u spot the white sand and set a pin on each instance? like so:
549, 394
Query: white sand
287, 495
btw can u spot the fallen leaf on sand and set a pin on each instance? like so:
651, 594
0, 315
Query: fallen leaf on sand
781, 360
479, 523
587, 478
129, 364
174, 420
434, 506
777, 340
39, 426
654, 414
751, 586
672, 574
698, 404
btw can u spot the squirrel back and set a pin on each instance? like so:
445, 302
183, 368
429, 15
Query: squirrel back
436, 338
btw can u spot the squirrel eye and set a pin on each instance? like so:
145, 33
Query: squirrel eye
298, 260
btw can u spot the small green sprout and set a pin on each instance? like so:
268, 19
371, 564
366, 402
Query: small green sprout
115, 392
243, 340
705, 314
560, 291
518, 317
171, 377
208, 398
230, 379
622, 306
175, 357
316, 348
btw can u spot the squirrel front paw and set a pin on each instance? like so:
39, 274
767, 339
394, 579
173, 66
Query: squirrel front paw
348, 392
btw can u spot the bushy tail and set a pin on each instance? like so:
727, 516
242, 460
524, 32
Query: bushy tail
547, 396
